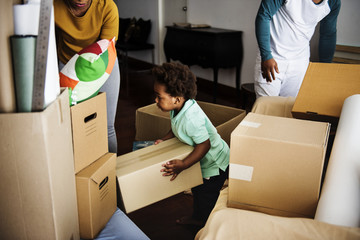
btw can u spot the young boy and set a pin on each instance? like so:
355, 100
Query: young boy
175, 89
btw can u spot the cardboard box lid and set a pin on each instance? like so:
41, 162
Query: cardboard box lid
324, 89
281, 129
97, 169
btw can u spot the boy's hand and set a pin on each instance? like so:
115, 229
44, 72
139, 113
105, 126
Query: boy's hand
267, 69
158, 141
173, 167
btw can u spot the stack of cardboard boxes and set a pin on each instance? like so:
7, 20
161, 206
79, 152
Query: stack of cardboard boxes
94, 166
38, 195
276, 163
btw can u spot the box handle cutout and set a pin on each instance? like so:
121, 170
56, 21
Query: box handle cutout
90, 117
103, 182
311, 113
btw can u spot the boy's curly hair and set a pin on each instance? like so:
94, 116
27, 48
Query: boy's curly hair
177, 78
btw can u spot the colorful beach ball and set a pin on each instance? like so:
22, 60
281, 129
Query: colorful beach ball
87, 71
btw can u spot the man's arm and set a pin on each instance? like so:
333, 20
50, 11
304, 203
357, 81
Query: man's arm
266, 11
327, 41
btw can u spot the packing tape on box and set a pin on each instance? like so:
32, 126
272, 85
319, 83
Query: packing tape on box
250, 124
339, 202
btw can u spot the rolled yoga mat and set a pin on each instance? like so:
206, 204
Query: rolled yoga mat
339, 202
23, 54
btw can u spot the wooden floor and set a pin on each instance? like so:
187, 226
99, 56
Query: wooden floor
157, 221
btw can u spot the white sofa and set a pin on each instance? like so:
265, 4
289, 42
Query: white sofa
338, 212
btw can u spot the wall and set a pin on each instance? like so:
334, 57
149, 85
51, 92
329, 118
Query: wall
230, 14
238, 15
145, 9
348, 23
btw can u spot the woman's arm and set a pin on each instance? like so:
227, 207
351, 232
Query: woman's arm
110, 26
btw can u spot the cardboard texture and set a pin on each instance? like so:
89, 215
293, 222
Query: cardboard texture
89, 128
96, 195
140, 180
324, 89
152, 123
7, 88
276, 165
38, 194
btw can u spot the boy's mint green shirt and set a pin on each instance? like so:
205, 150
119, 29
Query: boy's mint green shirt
192, 126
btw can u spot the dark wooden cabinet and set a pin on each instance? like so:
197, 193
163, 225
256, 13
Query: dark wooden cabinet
207, 47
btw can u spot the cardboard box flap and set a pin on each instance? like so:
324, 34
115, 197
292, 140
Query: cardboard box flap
325, 87
262, 126
267, 210
60, 107
213, 110
97, 169
149, 156
152, 109
225, 129
152, 123
98, 176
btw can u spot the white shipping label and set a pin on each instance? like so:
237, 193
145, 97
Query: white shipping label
241, 172
250, 124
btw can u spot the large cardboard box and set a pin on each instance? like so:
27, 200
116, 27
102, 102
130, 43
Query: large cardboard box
276, 165
38, 195
324, 89
152, 123
140, 180
96, 195
89, 128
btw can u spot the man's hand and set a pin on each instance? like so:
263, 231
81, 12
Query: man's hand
268, 69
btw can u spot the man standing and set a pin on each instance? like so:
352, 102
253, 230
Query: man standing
283, 30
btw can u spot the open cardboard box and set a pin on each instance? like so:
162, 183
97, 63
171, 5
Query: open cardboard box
276, 165
152, 123
324, 89
140, 180
38, 195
